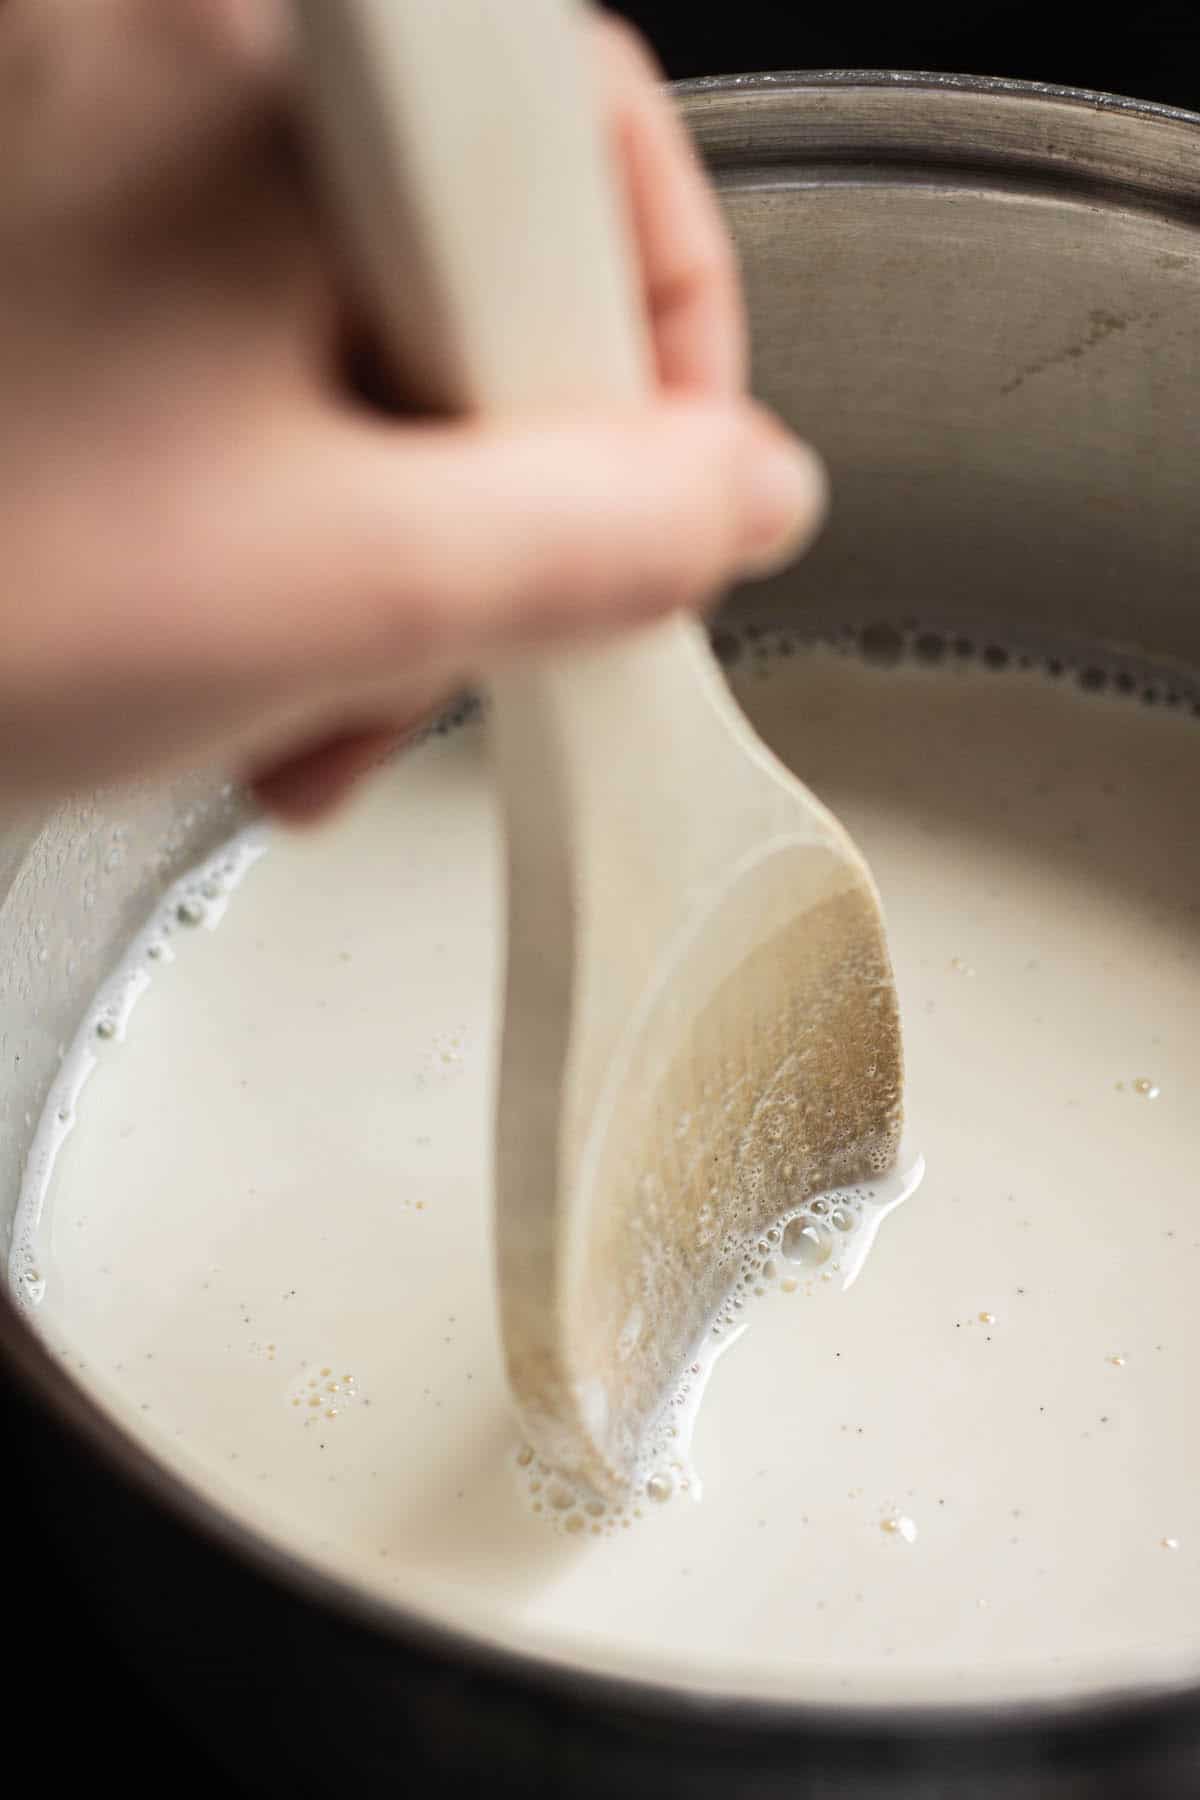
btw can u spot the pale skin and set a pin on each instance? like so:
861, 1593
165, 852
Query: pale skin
214, 549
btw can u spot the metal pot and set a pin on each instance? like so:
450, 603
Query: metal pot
980, 300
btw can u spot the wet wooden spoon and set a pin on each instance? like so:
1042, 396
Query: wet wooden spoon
700, 1023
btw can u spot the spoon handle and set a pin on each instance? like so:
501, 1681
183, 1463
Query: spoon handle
462, 142
676, 901
466, 160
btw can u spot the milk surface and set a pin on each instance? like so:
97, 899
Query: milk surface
257, 1225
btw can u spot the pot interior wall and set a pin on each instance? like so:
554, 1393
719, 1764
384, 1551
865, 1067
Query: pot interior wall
980, 304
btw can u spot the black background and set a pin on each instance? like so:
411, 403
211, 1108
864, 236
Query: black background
1151, 51
67, 1709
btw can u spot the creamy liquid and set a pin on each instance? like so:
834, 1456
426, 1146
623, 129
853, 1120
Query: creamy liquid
260, 1232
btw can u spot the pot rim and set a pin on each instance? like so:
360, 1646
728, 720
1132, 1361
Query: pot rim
1159, 1709
926, 81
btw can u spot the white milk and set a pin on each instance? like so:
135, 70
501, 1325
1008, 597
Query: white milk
260, 1233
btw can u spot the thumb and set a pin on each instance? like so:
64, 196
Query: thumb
398, 547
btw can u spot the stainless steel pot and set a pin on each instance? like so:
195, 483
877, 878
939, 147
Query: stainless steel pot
982, 301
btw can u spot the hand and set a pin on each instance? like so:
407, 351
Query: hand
213, 548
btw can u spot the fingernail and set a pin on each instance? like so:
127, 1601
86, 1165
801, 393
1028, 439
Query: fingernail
786, 501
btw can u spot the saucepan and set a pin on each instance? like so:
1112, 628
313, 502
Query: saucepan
981, 300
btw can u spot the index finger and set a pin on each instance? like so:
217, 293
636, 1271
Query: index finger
692, 287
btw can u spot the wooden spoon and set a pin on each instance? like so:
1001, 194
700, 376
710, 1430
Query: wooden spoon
701, 1027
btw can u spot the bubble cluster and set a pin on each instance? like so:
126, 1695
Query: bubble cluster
827, 1234
320, 1392
28, 1279
199, 897
793, 1255
565, 1506
885, 643
573, 1508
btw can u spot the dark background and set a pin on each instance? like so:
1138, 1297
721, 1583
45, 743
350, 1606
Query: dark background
107, 1732
1151, 51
